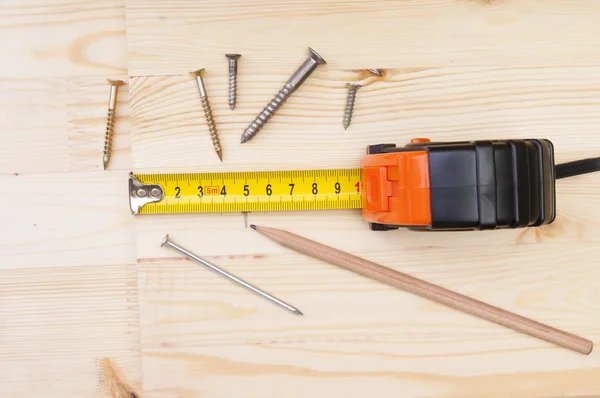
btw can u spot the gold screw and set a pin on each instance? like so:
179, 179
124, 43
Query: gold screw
212, 128
110, 121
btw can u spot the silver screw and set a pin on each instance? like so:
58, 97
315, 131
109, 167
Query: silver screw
110, 120
233, 278
212, 128
233, 63
377, 72
292, 85
352, 89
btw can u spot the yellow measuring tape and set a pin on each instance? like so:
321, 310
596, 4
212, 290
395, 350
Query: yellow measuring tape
245, 191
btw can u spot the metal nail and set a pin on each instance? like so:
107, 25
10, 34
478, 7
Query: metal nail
233, 278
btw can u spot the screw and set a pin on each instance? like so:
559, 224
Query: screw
167, 242
377, 72
233, 62
212, 129
292, 85
352, 89
110, 120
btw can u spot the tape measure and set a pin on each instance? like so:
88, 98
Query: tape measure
424, 185
245, 191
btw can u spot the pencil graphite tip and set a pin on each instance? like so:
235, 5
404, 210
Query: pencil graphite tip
253, 226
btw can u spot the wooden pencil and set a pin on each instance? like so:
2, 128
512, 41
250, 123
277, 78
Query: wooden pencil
427, 290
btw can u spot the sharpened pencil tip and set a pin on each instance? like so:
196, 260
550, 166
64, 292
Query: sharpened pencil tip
252, 226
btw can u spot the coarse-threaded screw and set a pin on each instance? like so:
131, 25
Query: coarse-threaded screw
292, 85
212, 128
352, 89
110, 120
233, 65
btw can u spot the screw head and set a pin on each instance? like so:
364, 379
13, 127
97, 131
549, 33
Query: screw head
378, 72
313, 54
115, 82
353, 86
197, 72
233, 56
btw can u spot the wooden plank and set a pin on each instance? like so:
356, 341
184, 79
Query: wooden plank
59, 124
49, 38
175, 37
60, 219
198, 307
356, 331
169, 131
58, 321
355, 369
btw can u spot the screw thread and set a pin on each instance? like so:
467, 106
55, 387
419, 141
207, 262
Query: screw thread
232, 90
110, 127
212, 128
267, 113
349, 107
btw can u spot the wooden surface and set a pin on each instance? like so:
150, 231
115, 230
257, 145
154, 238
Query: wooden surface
83, 283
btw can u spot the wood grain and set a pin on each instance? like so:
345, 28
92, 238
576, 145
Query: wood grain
357, 330
61, 219
184, 305
169, 132
355, 369
173, 37
58, 321
58, 124
52, 38
456, 69
427, 290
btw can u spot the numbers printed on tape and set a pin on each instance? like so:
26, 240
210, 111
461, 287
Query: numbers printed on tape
255, 191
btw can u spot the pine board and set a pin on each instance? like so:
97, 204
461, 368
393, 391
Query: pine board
454, 70
83, 281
